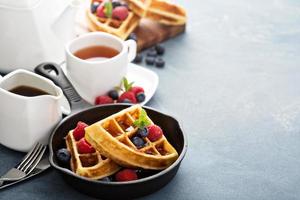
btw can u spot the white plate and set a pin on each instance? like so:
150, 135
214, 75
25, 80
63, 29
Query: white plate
139, 75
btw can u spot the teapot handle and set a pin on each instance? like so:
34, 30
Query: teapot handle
54, 72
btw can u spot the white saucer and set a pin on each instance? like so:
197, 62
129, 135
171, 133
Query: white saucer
139, 75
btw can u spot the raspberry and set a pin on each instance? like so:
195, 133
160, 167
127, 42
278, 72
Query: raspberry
154, 133
100, 11
126, 175
120, 13
84, 147
137, 89
79, 132
127, 95
104, 99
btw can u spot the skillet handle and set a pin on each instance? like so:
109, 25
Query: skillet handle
54, 72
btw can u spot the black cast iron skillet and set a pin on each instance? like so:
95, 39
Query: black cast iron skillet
99, 188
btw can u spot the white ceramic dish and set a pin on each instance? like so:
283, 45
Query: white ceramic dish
139, 75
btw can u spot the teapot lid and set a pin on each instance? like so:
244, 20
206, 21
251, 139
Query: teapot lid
20, 4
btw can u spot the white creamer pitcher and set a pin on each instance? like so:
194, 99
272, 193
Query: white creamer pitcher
25, 120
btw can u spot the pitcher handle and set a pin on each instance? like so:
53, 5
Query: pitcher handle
54, 72
132, 47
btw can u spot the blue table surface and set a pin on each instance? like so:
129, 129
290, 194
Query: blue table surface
233, 82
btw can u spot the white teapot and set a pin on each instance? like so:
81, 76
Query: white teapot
34, 31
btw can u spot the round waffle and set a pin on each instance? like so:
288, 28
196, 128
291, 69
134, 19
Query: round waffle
112, 138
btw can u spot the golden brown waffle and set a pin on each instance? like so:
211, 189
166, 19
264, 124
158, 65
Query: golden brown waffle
139, 7
112, 137
119, 28
90, 165
159, 10
166, 13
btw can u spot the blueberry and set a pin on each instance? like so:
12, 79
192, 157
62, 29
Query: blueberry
94, 6
113, 94
106, 179
150, 60
63, 155
126, 101
159, 49
125, 5
140, 97
152, 53
116, 3
138, 58
142, 132
138, 142
132, 36
159, 62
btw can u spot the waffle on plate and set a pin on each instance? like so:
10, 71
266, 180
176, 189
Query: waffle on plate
160, 11
113, 136
90, 165
120, 28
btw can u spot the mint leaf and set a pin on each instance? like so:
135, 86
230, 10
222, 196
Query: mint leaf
142, 121
118, 88
126, 84
108, 9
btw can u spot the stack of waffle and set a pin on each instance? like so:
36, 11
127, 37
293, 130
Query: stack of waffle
112, 140
160, 11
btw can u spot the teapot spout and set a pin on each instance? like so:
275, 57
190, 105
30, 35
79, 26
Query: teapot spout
64, 25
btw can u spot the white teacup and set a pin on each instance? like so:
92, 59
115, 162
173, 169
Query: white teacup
96, 77
25, 120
